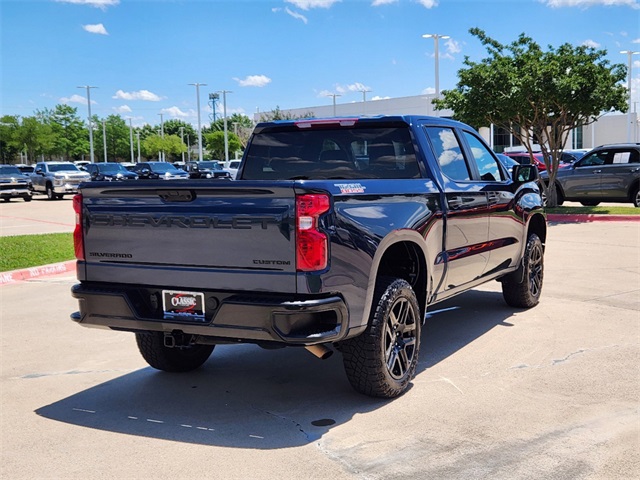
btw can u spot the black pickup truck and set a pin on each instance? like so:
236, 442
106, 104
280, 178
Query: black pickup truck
338, 232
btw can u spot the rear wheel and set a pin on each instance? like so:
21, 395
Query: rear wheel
635, 196
27, 198
382, 361
174, 359
522, 288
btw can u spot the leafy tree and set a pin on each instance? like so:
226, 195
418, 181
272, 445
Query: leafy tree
215, 143
189, 134
170, 144
33, 136
277, 114
118, 139
239, 124
71, 137
536, 94
9, 124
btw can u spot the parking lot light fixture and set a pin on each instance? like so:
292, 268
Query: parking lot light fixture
629, 76
224, 118
88, 88
436, 37
334, 95
198, 85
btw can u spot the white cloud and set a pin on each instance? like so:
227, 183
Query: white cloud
97, 28
123, 109
76, 99
377, 3
296, 15
637, 40
101, 4
377, 97
309, 4
590, 43
453, 46
145, 95
429, 91
428, 3
253, 81
354, 87
590, 3
176, 112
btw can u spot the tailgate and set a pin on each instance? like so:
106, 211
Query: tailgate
191, 235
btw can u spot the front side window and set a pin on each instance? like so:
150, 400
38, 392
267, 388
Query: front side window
595, 159
448, 153
487, 164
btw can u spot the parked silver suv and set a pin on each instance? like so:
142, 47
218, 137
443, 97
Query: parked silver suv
609, 173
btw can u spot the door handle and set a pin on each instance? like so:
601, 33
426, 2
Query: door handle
597, 171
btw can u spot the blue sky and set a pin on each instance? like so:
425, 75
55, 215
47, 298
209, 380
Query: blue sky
143, 54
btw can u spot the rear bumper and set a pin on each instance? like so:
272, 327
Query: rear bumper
229, 316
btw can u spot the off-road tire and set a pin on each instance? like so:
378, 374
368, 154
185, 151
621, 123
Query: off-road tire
522, 288
176, 359
382, 360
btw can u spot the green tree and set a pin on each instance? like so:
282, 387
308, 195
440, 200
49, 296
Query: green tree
71, 137
536, 94
9, 124
171, 145
33, 136
215, 143
239, 124
118, 139
277, 114
189, 134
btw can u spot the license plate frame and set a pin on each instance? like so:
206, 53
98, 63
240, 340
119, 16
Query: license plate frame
183, 305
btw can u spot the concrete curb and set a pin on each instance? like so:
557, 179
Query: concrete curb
44, 271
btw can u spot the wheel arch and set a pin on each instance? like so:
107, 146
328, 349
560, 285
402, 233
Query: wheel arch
632, 189
401, 255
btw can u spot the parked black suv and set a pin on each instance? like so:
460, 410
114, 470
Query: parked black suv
609, 173
109, 171
206, 169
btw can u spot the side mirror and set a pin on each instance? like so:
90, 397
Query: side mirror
524, 174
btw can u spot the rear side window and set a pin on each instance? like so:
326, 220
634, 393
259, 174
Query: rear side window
624, 156
331, 153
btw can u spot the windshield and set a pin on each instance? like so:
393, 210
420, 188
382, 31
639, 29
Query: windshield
210, 165
63, 167
112, 168
9, 170
164, 168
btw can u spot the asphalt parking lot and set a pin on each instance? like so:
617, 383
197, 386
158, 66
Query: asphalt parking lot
548, 393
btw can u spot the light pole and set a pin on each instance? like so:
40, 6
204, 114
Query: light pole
334, 95
88, 88
162, 135
131, 139
364, 100
138, 135
182, 140
436, 37
224, 118
198, 85
630, 67
104, 138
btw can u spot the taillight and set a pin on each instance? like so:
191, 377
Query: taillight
311, 244
78, 238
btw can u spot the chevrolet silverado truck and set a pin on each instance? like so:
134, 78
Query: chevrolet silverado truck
13, 184
338, 232
55, 179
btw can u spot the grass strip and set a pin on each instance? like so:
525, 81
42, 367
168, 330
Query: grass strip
24, 251
594, 210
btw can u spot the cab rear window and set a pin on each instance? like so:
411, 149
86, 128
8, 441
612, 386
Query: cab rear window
331, 153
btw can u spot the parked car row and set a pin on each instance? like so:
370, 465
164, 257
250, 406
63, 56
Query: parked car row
609, 173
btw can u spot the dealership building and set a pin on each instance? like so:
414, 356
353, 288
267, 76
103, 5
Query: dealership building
612, 127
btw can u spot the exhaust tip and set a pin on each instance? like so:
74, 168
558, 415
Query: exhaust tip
321, 351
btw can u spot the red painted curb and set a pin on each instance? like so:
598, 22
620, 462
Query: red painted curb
21, 275
587, 217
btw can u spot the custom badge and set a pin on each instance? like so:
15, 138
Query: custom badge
350, 187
